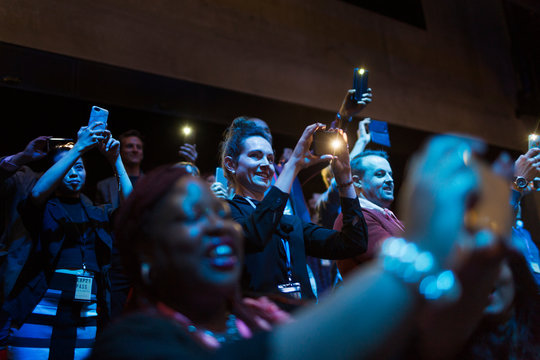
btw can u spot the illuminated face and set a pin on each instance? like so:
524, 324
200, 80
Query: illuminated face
501, 298
254, 168
74, 180
377, 185
131, 150
198, 248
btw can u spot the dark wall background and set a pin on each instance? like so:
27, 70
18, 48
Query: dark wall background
55, 99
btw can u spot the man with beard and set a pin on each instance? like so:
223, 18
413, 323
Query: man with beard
374, 184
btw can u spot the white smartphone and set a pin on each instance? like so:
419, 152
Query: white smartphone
98, 115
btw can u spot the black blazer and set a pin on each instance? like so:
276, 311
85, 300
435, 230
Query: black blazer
265, 265
48, 227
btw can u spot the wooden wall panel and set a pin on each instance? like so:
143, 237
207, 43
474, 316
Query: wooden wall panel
454, 76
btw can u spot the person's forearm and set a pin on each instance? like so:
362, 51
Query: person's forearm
358, 322
12, 163
20, 159
285, 179
124, 183
359, 146
347, 191
50, 180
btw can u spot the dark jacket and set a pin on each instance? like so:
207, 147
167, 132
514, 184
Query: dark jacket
15, 241
107, 192
49, 226
265, 264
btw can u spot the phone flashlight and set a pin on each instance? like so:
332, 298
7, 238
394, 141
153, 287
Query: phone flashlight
534, 141
360, 82
336, 144
186, 130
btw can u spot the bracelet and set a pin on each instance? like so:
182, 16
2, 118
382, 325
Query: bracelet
341, 186
419, 269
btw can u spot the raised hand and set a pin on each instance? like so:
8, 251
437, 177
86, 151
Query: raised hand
88, 137
110, 148
528, 165
188, 152
350, 106
34, 150
220, 190
301, 156
364, 137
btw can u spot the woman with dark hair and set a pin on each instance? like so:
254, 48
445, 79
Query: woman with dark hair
276, 244
184, 256
54, 304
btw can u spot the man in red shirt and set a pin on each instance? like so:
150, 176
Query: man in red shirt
372, 176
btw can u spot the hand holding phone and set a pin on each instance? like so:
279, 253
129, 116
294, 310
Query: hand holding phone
534, 141
327, 142
356, 99
360, 82
53, 142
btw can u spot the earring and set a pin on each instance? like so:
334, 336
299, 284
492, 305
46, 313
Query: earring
145, 272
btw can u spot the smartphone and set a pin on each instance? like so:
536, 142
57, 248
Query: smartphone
536, 183
98, 115
534, 141
220, 177
379, 132
327, 142
360, 82
54, 142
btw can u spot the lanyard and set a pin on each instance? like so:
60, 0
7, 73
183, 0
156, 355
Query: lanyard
285, 246
83, 236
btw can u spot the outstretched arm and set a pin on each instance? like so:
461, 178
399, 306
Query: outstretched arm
188, 152
34, 150
111, 150
300, 159
363, 138
47, 184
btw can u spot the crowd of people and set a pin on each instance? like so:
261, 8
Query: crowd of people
170, 264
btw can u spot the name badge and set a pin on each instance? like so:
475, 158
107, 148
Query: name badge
291, 290
535, 267
83, 288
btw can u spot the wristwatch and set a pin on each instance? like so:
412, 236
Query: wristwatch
520, 182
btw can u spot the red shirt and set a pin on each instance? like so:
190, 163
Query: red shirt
381, 225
